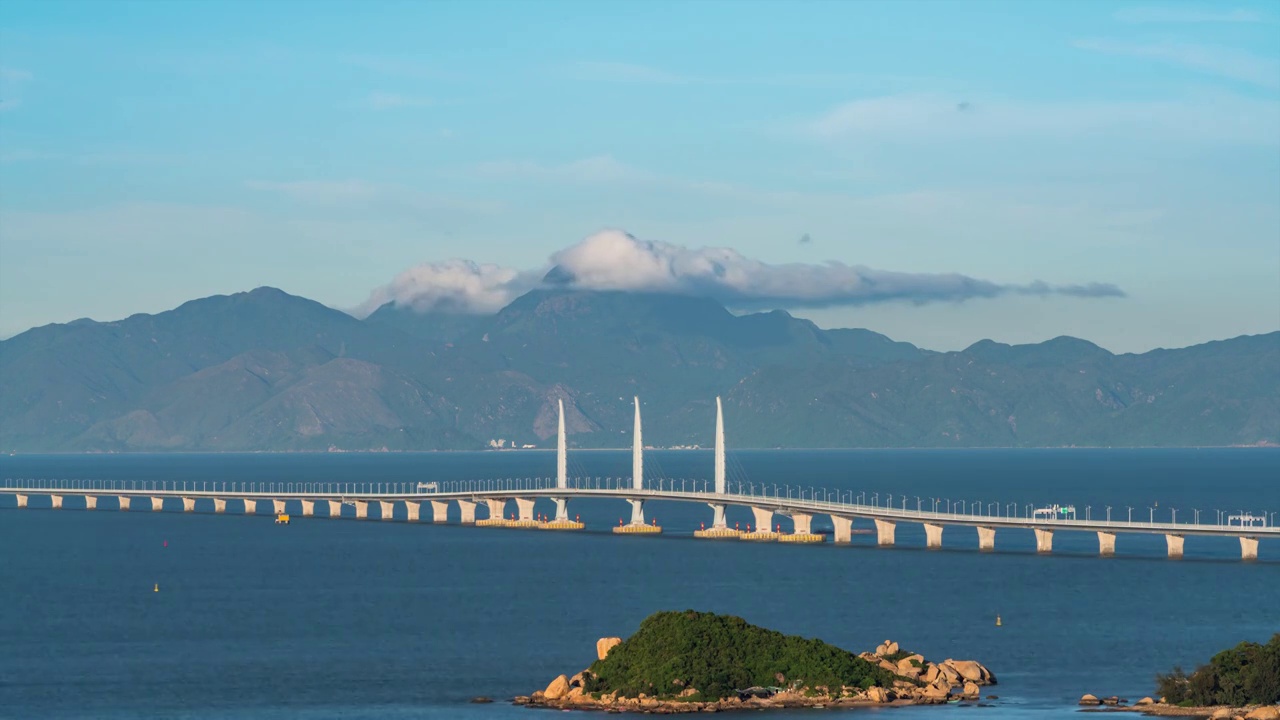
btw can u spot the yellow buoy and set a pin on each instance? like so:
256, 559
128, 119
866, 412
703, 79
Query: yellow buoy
998, 623
157, 588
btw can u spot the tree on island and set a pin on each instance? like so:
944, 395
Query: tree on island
722, 655
1247, 674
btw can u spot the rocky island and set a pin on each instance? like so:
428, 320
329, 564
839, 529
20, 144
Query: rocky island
689, 661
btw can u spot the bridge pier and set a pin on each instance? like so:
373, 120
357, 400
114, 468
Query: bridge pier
440, 511
1174, 543
22, 499
717, 517
933, 536
844, 529
497, 507
468, 510
55, 501
885, 530
277, 506
335, 508
385, 510
637, 526
308, 508
188, 504
524, 509
1106, 544
763, 518
124, 502
1044, 540
219, 505
562, 509
90, 502
157, 504
250, 506
362, 509
803, 524
1248, 548
986, 538
412, 510
719, 529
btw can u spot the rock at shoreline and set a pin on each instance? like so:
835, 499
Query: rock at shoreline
557, 689
1088, 699
1267, 712
887, 648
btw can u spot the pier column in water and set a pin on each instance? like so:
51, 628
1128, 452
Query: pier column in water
219, 505
385, 509
764, 519
803, 524
496, 508
717, 516
562, 509
22, 500
524, 508
55, 501
411, 510
885, 530
250, 506
362, 510
1174, 543
277, 506
1106, 544
637, 512
986, 538
440, 511
124, 502
933, 535
1248, 548
844, 528
468, 510
335, 508
308, 508
1044, 540
90, 502
188, 504
157, 504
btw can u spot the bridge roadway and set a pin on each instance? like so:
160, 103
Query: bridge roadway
495, 494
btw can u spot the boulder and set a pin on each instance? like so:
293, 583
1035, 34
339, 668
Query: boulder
604, 645
1266, 712
934, 693
971, 671
877, 695
1088, 699
1145, 701
888, 647
557, 689
687, 692
1222, 714
971, 690
931, 674
888, 665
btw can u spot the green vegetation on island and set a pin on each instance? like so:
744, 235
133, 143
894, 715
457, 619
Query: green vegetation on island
1247, 674
721, 655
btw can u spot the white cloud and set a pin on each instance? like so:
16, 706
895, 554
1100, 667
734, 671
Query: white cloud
1223, 62
391, 101
615, 260
1186, 15
11, 82
1214, 118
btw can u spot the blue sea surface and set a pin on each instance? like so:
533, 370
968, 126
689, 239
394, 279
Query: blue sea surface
367, 619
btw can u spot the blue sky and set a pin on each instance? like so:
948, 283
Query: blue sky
153, 152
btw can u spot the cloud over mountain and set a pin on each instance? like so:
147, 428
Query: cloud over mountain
615, 260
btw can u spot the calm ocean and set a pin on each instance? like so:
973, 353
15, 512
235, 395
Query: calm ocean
346, 619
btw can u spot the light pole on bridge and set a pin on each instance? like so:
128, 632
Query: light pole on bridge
1153, 514
1108, 513
1130, 514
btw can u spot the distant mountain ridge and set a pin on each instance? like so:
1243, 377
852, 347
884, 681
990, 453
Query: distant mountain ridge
265, 370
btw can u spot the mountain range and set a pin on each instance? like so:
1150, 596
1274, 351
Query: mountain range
265, 370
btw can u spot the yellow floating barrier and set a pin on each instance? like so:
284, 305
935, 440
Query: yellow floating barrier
802, 538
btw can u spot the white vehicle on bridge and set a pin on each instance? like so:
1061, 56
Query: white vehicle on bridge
1055, 512
429, 487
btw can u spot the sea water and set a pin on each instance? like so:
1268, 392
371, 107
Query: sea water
367, 619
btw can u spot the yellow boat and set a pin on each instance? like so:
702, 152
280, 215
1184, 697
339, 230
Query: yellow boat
282, 519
